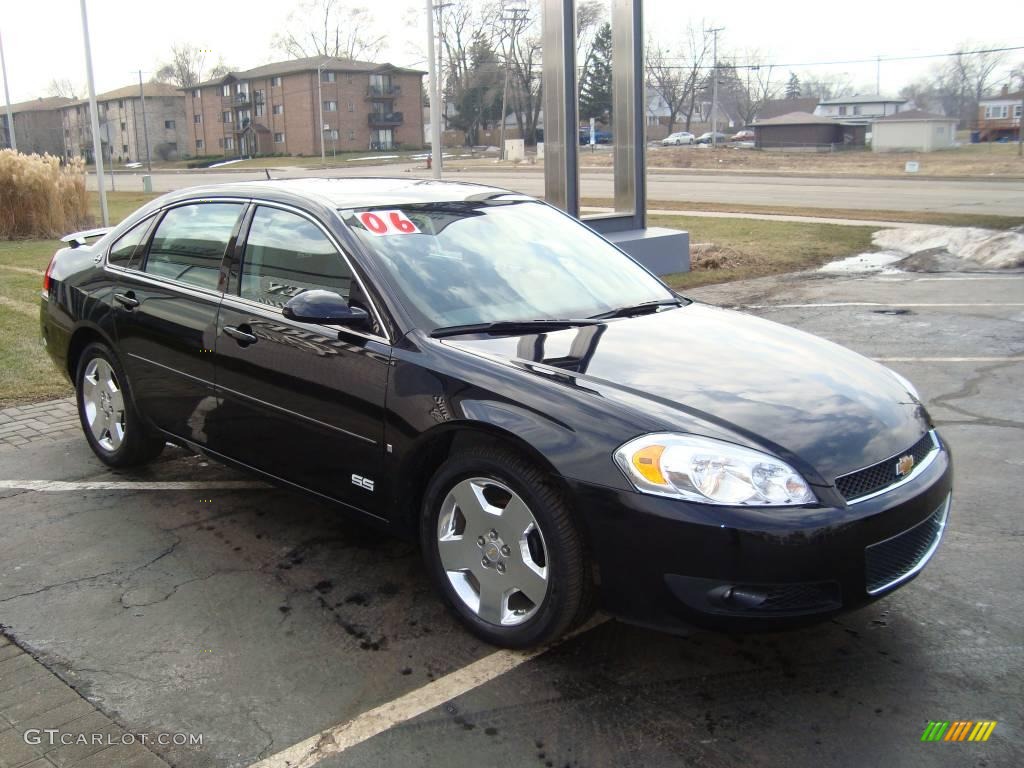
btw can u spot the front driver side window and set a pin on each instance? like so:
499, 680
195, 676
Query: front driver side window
286, 254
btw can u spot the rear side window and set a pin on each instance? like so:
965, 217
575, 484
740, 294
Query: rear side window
126, 248
190, 241
286, 254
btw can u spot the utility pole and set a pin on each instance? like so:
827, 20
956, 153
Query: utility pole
714, 89
7, 95
512, 16
145, 125
94, 116
435, 95
320, 101
878, 75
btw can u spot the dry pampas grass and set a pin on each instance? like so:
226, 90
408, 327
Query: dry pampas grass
39, 197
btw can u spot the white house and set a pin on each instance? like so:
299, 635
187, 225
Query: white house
860, 108
914, 130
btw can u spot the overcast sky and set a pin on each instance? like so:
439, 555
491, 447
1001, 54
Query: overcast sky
43, 38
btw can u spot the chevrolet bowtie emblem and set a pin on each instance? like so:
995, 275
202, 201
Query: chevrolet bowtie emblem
904, 465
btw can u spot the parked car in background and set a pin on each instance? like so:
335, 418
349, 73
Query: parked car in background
745, 135
600, 137
474, 368
678, 138
705, 138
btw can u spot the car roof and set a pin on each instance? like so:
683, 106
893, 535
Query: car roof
350, 192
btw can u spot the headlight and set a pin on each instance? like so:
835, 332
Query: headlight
710, 471
911, 389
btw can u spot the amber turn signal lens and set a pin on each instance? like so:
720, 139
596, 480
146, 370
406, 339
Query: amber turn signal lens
648, 463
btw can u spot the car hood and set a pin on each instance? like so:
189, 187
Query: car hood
718, 372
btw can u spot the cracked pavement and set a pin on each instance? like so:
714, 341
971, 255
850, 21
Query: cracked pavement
258, 617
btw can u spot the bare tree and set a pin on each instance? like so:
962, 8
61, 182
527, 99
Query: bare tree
751, 86
518, 37
186, 67
826, 86
678, 76
330, 28
971, 74
590, 15
62, 87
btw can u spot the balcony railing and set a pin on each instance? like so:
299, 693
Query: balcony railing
380, 119
240, 100
388, 91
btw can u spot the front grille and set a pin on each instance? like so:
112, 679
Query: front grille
798, 598
894, 560
879, 476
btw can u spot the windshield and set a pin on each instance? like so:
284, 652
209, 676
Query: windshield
462, 263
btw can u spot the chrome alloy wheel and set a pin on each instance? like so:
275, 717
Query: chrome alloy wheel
103, 404
493, 551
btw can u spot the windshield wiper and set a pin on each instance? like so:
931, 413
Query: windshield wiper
515, 326
644, 308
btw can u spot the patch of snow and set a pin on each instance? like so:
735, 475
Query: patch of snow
970, 248
226, 162
372, 157
879, 262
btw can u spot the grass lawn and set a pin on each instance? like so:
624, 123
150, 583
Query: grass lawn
26, 372
735, 249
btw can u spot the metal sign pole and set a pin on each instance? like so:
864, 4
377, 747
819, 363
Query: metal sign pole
11, 139
94, 116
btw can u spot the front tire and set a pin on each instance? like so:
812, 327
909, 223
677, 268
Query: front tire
502, 549
111, 424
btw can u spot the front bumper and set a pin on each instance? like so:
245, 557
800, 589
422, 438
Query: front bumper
670, 563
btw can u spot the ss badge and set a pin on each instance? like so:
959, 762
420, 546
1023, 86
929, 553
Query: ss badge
363, 482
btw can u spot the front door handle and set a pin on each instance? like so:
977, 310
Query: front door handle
242, 334
127, 300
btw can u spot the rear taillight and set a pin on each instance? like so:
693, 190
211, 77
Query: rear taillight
47, 276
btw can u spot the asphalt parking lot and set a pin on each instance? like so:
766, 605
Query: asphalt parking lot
262, 620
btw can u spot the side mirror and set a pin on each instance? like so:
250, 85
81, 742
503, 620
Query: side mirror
324, 308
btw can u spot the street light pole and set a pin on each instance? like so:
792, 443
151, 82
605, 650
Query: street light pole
7, 95
714, 89
145, 125
435, 101
94, 116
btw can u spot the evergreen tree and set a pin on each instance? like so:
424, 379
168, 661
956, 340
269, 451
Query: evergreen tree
596, 87
479, 101
793, 86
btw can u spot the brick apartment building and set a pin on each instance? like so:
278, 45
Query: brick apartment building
37, 126
273, 109
121, 130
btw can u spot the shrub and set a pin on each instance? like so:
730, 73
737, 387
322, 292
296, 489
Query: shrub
39, 197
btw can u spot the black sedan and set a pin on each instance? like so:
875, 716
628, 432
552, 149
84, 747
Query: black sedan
475, 368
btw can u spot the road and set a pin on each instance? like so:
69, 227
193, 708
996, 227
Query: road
1004, 198
261, 619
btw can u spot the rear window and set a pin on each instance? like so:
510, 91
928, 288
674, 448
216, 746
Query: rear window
190, 241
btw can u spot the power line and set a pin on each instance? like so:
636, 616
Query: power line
872, 60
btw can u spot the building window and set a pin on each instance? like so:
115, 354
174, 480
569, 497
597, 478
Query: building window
229, 142
169, 125
279, 138
197, 119
242, 89
225, 117
331, 134
124, 149
327, 77
196, 94
199, 144
842, 110
225, 90
351, 106
279, 109
351, 135
260, 99
124, 126
275, 82
856, 110
997, 112
120, 104
330, 106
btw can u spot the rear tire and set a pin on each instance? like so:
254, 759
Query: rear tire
112, 426
501, 547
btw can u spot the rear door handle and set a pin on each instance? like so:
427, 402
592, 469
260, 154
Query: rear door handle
127, 300
241, 334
